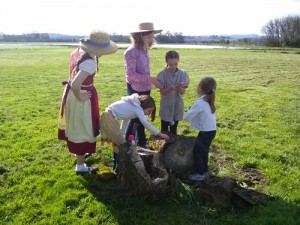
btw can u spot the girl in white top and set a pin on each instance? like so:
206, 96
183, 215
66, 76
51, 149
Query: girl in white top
203, 118
128, 108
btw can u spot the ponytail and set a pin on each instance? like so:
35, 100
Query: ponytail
208, 86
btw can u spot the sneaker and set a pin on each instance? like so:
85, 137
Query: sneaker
85, 169
198, 177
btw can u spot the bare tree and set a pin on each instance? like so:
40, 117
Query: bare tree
283, 32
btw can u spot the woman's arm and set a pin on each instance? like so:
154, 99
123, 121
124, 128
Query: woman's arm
76, 86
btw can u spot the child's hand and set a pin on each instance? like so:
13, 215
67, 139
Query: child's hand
180, 85
85, 96
180, 88
154, 81
163, 136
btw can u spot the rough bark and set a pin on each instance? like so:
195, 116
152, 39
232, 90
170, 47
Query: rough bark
150, 173
177, 154
142, 173
225, 192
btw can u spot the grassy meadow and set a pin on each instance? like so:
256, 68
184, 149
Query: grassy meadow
257, 141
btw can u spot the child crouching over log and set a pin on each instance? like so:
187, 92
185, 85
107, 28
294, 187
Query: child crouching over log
128, 108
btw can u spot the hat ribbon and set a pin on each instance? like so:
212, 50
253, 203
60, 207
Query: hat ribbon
95, 44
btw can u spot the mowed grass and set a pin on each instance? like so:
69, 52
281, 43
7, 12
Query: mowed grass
258, 116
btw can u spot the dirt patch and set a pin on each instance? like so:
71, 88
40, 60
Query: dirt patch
250, 176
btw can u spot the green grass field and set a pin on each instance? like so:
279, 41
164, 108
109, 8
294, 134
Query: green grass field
258, 115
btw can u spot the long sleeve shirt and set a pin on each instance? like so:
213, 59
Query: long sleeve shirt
137, 66
129, 108
201, 117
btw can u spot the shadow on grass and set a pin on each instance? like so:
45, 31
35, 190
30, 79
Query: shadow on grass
185, 205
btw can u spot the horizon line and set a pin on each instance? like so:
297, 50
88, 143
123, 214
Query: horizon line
114, 33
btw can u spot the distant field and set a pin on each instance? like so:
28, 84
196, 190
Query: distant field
258, 115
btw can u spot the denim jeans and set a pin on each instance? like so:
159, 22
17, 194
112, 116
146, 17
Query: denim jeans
201, 149
135, 126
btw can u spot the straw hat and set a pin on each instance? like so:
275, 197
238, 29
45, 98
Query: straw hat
146, 27
98, 43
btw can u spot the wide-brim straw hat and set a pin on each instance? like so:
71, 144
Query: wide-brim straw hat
146, 27
98, 43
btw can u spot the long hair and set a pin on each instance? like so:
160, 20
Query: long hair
208, 86
148, 102
137, 40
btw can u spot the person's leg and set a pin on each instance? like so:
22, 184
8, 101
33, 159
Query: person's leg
129, 129
130, 91
116, 167
80, 159
81, 167
132, 128
201, 150
206, 140
140, 134
173, 128
135, 126
200, 155
115, 158
164, 126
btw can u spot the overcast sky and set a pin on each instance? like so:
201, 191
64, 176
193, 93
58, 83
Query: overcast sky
190, 17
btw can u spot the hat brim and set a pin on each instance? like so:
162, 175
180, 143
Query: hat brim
143, 31
112, 48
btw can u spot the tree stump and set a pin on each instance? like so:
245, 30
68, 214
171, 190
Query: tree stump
177, 154
142, 174
150, 173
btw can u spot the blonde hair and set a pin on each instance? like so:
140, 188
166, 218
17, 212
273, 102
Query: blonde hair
208, 86
148, 102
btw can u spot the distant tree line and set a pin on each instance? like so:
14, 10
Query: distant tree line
32, 37
167, 37
120, 38
162, 38
280, 32
283, 32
